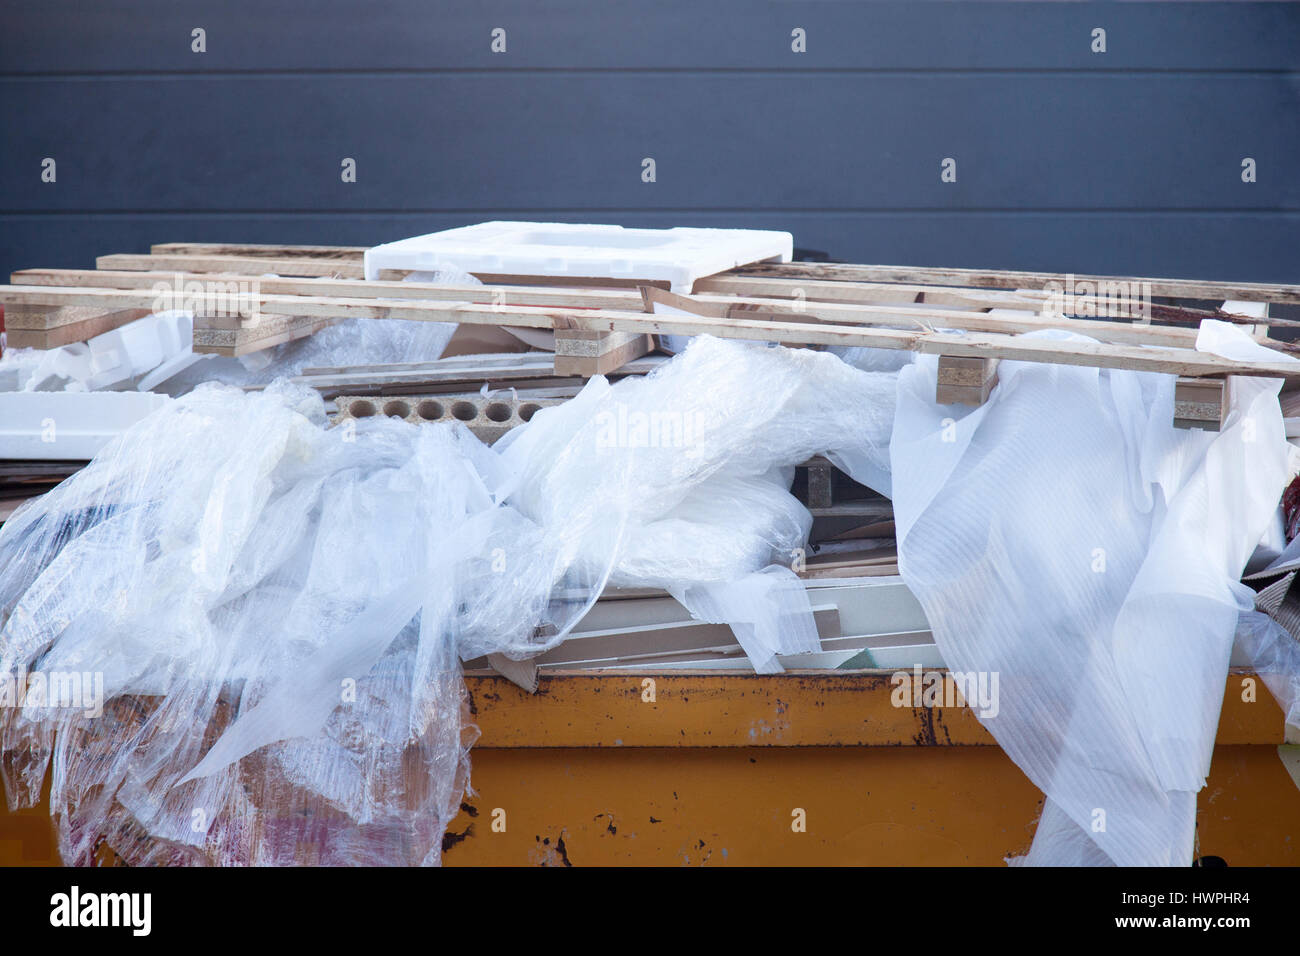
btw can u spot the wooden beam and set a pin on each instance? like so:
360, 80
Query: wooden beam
918, 317
42, 327
1198, 403
323, 286
842, 312
587, 353
965, 380
239, 264
832, 272
354, 253
1176, 361
270, 331
516, 289
611, 299
1006, 279
867, 293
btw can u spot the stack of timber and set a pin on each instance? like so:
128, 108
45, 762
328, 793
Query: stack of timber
971, 319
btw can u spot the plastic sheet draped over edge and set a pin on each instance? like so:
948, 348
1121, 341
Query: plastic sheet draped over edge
1067, 537
275, 609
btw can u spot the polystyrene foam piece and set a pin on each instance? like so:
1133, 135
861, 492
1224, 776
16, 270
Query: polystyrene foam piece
680, 255
68, 425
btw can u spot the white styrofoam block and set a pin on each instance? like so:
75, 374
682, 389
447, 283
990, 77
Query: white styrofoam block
679, 255
139, 346
164, 338
68, 426
1254, 310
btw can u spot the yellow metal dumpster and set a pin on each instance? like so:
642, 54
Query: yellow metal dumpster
807, 768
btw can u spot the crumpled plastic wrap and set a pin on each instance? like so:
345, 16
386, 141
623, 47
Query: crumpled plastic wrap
276, 609
1066, 536
353, 341
1274, 654
680, 479
239, 574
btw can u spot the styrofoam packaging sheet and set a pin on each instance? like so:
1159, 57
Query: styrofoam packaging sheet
679, 255
68, 426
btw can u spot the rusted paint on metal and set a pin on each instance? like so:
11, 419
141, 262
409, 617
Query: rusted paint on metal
829, 709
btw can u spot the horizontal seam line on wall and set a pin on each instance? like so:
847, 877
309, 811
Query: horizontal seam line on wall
675, 210
651, 71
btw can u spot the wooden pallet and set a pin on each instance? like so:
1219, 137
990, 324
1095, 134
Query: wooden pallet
971, 319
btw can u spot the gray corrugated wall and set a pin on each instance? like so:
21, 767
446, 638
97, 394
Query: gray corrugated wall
1127, 161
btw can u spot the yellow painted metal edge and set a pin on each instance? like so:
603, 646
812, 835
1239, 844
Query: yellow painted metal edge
806, 709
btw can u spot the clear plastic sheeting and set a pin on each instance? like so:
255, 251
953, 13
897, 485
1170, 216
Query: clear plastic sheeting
768, 610
270, 614
1275, 656
354, 341
680, 479
1066, 536
233, 572
873, 359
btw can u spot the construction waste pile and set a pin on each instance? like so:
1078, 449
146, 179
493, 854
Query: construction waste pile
282, 564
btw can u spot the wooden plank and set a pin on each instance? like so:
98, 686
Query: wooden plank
584, 353
965, 371
26, 324
1170, 361
974, 395
883, 570
270, 331
46, 318
1198, 403
1103, 355
261, 251
337, 267
742, 292
1032, 300
241, 264
566, 296
855, 508
865, 293
857, 314
1007, 279
965, 380
744, 281
845, 313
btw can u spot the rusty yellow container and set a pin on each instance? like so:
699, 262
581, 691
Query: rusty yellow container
815, 768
